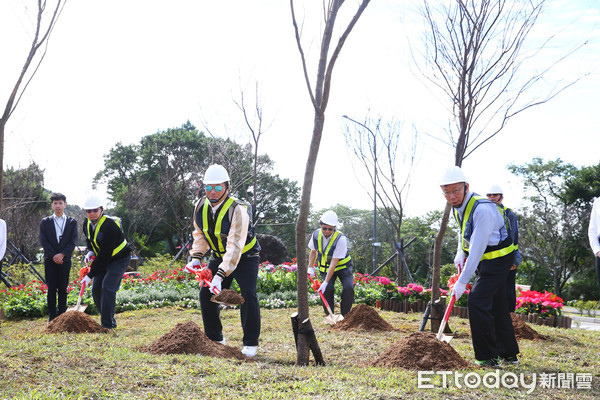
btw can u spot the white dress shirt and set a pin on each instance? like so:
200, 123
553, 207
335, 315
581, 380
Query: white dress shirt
594, 228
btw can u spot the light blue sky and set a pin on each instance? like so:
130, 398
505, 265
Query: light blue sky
120, 70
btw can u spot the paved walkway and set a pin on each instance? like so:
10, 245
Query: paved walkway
584, 321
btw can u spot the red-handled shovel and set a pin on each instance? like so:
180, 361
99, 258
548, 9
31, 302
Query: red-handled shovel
440, 334
332, 318
79, 306
234, 300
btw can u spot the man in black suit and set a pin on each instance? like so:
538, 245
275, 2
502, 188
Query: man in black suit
58, 235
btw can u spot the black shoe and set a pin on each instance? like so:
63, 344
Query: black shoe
510, 360
491, 363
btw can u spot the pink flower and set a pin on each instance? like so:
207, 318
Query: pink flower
384, 280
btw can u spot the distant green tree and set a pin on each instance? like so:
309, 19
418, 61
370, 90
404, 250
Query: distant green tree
25, 203
552, 232
155, 184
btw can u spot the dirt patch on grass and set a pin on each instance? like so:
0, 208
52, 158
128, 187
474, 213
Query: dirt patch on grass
421, 351
188, 338
523, 330
363, 317
74, 321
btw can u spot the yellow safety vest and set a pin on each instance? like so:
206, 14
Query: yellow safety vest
466, 228
324, 258
215, 237
94, 233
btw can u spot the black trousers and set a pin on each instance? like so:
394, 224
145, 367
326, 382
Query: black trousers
346, 277
511, 292
598, 270
246, 275
489, 317
57, 280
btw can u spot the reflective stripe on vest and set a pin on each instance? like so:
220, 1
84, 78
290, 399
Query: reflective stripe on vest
94, 241
323, 262
214, 240
463, 225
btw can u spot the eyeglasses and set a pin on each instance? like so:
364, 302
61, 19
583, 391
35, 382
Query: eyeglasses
327, 229
451, 192
95, 210
217, 188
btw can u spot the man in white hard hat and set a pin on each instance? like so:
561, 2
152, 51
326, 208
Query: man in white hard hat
222, 225
329, 248
488, 249
58, 237
496, 195
106, 242
594, 234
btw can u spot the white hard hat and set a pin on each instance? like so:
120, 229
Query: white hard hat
215, 174
495, 189
453, 175
329, 218
94, 201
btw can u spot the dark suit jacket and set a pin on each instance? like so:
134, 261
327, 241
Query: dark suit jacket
48, 238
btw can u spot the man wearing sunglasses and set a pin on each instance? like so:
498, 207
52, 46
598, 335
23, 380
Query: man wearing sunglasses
106, 242
222, 225
329, 248
486, 250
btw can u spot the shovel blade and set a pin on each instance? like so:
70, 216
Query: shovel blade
444, 338
223, 303
80, 307
333, 319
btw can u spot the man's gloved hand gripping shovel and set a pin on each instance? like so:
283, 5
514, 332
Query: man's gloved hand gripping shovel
332, 318
204, 276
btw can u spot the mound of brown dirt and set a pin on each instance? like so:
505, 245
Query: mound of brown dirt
421, 351
363, 317
188, 338
74, 321
228, 296
523, 330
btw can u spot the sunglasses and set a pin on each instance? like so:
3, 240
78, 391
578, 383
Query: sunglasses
327, 229
217, 188
95, 210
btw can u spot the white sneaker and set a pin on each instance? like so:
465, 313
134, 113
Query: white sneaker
223, 342
249, 351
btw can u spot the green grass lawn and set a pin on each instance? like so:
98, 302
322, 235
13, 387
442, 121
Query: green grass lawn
35, 365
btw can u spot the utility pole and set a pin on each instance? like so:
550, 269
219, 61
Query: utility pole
375, 243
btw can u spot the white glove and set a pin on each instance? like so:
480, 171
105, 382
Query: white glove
89, 256
459, 289
311, 272
86, 280
459, 260
216, 283
192, 266
322, 287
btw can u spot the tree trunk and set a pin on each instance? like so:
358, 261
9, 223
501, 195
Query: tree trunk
301, 224
437, 255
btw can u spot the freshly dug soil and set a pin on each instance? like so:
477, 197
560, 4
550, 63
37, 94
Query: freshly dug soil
74, 321
188, 338
523, 330
363, 317
228, 296
421, 351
